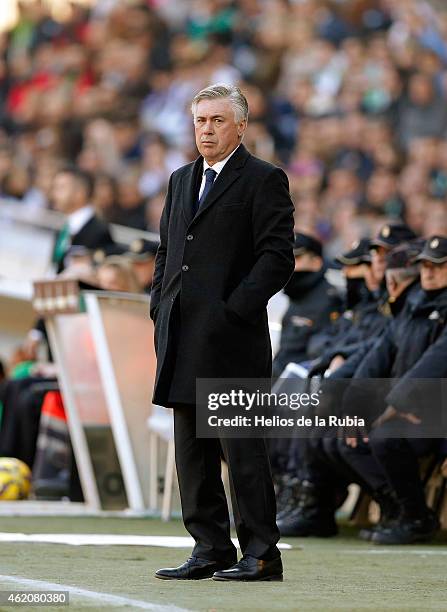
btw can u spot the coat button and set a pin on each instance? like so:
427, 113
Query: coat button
185, 268
189, 237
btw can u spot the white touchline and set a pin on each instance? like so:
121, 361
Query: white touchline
102, 539
107, 598
387, 551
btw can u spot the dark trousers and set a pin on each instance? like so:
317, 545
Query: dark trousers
345, 471
399, 459
364, 464
321, 463
204, 506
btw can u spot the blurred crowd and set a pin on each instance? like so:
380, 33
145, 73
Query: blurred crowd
349, 97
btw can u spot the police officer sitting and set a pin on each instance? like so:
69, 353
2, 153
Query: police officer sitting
402, 281
362, 318
389, 237
314, 303
324, 474
353, 264
345, 354
413, 348
310, 510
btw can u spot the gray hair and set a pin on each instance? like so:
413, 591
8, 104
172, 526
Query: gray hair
230, 92
402, 274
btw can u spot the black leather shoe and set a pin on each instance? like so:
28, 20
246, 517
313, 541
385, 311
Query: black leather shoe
389, 513
409, 530
250, 569
367, 533
288, 496
304, 523
194, 568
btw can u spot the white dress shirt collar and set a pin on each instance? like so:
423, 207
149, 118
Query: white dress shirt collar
218, 166
76, 220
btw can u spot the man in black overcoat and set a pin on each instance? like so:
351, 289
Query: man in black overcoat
226, 246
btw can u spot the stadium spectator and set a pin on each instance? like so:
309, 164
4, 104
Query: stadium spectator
71, 193
423, 113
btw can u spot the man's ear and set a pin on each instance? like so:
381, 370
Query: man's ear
241, 128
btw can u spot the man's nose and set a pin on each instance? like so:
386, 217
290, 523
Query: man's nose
208, 127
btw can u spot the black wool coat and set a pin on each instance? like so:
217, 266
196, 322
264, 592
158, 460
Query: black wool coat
95, 234
215, 273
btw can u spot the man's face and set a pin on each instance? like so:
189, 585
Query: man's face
308, 262
433, 276
217, 133
421, 90
357, 271
63, 192
364, 271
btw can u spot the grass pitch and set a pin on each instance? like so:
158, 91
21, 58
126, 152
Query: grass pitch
340, 574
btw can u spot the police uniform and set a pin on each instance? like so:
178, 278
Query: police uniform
392, 235
322, 482
360, 459
369, 317
314, 304
324, 471
365, 319
356, 295
413, 347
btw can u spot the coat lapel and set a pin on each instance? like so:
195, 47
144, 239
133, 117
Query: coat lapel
189, 189
230, 173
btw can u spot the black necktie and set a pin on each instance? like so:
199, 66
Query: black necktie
210, 176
